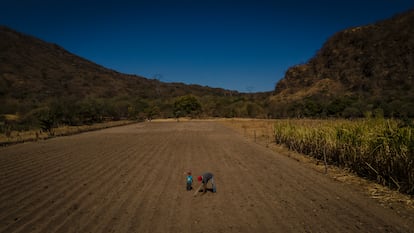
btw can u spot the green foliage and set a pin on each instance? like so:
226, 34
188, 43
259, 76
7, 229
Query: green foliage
338, 105
47, 120
312, 108
351, 112
187, 105
90, 111
151, 112
254, 110
69, 110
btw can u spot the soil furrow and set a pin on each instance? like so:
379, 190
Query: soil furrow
97, 186
31, 178
43, 209
142, 173
148, 204
61, 183
132, 179
107, 192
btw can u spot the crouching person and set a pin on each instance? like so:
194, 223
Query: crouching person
204, 179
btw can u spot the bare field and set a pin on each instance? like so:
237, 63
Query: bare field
131, 179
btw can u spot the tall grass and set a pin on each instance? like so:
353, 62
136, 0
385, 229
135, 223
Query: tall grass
378, 149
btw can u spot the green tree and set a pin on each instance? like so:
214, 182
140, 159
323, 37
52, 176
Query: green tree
254, 110
187, 105
90, 111
351, 112
47, 120
152, 111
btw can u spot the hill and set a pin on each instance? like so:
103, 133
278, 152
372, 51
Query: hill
36, 70
36, 76
367, 69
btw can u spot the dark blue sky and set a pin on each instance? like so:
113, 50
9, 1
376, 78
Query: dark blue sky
238, 45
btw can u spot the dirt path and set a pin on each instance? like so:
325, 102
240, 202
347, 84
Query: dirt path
131, 179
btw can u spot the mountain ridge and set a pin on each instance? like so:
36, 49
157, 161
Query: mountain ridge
42, 83
368, 68
360, 70
25, 56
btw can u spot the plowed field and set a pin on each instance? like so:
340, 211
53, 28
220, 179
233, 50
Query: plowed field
131, 179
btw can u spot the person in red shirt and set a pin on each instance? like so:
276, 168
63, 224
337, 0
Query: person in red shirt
204, 179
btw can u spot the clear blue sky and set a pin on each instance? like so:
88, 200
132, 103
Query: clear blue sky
237, 45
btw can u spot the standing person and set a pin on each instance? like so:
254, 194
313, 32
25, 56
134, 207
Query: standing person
189, 181
204, 179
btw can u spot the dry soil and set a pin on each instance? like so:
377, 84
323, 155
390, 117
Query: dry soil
131, 179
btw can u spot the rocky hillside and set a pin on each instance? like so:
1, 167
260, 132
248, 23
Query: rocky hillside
43, 84
32, 68
367, 69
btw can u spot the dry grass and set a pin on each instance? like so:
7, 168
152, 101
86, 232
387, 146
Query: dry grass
34, 135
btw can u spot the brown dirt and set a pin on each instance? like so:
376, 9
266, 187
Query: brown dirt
131, 179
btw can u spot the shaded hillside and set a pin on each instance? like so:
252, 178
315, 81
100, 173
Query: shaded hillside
37, 77
358, 70
36, 70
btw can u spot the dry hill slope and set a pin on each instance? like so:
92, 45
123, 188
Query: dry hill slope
363, 68
35, 74
32, 67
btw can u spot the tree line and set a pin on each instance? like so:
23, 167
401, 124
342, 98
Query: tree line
342, 107
74, 112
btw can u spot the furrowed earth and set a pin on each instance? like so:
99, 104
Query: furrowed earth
132, 179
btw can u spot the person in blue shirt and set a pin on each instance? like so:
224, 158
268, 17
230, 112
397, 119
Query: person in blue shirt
189, 181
